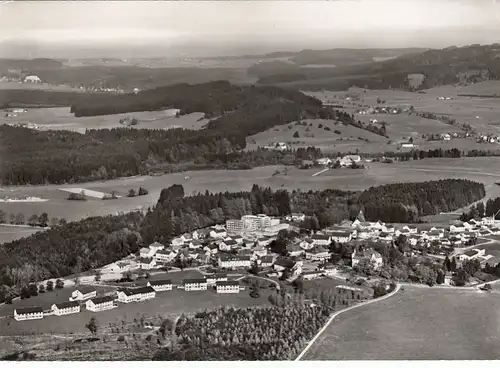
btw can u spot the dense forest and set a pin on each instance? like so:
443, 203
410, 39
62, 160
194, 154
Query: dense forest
273, 333
481, 209
407, 202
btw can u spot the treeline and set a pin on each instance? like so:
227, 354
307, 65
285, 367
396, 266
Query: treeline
480, 210
69, 248
445, 119
273, 333
175, 214
407, 202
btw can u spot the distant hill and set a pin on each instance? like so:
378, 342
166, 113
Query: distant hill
453, 65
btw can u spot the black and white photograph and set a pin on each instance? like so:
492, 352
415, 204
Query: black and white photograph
289, 181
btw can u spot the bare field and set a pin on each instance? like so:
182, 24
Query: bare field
415, 324
36, 86
11, 233
60, 118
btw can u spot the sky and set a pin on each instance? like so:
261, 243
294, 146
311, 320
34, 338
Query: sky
232, 27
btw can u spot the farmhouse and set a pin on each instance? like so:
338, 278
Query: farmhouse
457, 228
136, 295
341, 236
218, 233
230, 261
194, 284
62, 309
213, 279
349, 160
23, 314
324, 161
160, 285
227, 287
147, 263
83, 293
369, 255
100, 304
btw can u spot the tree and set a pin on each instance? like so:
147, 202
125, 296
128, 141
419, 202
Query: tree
453, 265
447, 264
19, 219
50, 285
97, 277
255, 269
3, 217
59, 284
43, 219
33, 289
8, 299
142, 191
92, 326
296, 135
131, 193
41, 289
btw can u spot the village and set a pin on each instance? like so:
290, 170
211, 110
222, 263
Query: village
246, 244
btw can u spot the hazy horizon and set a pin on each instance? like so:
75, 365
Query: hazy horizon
70, 29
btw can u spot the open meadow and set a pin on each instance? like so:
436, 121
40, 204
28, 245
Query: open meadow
11, 233
60, 118
416, 323
482, 169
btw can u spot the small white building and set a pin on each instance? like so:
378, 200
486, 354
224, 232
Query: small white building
23, 314
318, 254
100, 304
165, 255
83, 293
160, 285
311, 275
194, 285
218, 233
146, 252
295, 217
324, 161
234, 261
266, 261
65, 308
156, 247
320, 239
213, 279
375, 258
340, 236
147, 263
32, 79
227, 287
136, 295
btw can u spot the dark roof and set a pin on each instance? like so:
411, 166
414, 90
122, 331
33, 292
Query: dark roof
146, 260
219, 231
141, 290
29, 310
227, 283
160, 282
194, 281
65, 305
85, 289
320, 237
230, 242
340, 233
102, 299
217, 276
267, 259
288, 263
471, 253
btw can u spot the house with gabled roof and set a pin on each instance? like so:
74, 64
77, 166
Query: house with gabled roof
61, 309
194, 244
136, 295
372, 256
321, 239
83, 293
147, 263
318, 253
266, 261
227, 287
165, 255
218, 233
99, 304
295, 250
160, 285
156, 246
200, 284
307, 244
27, 313
227, 245
146, 252
234, 261
212, 279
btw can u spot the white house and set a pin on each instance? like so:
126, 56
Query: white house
227, 245
385, 236
64, 308
318, 254
227, 287
218, 233
457, 228
177, 241
266, 261
403, 231
156, 246
445, 136
195, 244
147, 263
340, 236
295, 217
311, 275
295, 250
330, 270
471, 254
389, 229
136, 295
100, 304
146, 252
411, 229
23, 314
165, 255
370, 255
213, 279
320, 239
32, 79
83, 293
233, 261
160, 285
194, 284
324, 161
260, 251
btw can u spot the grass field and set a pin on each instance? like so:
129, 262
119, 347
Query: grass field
482, 169
11, 233
35, 86
60, 118
417, 323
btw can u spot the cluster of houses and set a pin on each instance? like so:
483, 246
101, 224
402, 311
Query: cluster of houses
385, 110
279, 146
87, 296
488, 138
345, 161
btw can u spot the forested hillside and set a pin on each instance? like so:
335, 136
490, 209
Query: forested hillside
406, 202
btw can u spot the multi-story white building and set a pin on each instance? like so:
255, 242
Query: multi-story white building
235, 226
194, 284
340, 236
147, 263
234, 261
65, 308
320, 239
318, 254
100, 304
136, 295
227, 287
156, 246
23, 314
146, 252
83, 293
160, 285
218, 233
165, 255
